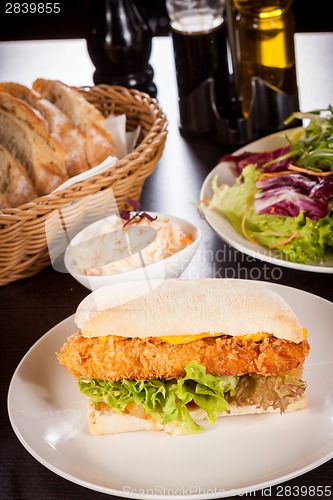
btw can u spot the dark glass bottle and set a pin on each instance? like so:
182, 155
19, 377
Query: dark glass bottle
119, 45
265, 30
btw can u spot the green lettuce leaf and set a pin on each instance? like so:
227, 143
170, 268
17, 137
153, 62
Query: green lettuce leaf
314, 238
167, 400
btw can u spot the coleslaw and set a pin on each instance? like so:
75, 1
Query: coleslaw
169, 240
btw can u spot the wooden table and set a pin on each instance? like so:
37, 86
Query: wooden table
29, 308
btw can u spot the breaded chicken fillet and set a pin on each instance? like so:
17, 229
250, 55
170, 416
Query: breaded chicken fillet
114, 358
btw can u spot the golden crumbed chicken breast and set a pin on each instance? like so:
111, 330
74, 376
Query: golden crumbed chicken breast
114, 358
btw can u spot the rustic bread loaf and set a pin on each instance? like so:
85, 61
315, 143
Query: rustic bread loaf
88, 119
60, 126
26, 135
16, 186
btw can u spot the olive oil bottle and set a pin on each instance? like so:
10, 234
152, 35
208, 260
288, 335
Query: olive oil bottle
265, 47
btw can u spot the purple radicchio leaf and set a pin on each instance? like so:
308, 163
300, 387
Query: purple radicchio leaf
260, 159
323, 189
287, 201
300, 182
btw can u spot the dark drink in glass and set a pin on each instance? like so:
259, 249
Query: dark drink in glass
201, 55
201, 61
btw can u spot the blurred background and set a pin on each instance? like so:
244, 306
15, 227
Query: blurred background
73, 20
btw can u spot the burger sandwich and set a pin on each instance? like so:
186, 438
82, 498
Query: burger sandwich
179, 353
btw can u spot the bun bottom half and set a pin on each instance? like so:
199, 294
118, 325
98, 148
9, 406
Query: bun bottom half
104, 421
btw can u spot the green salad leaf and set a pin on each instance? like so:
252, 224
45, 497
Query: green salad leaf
167, 400
314, 147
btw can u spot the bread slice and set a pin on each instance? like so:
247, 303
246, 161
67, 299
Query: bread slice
60, 126
26, 135
86, 117
103, 420
16, 186
214, 306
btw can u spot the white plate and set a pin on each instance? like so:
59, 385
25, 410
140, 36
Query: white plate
227, 175
235, 456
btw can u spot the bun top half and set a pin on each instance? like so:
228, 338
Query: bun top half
179, 307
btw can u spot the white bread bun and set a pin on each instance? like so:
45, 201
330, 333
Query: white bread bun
86, 117
16, 187
106, 421
179, 307
60, 126
26, 135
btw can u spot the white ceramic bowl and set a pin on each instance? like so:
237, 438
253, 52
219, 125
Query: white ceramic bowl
88, 249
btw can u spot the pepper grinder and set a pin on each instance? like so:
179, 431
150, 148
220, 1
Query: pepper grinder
119, 44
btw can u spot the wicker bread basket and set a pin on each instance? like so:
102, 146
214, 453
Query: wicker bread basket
23, 244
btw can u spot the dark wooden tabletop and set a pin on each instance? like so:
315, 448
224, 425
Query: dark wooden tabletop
30, 307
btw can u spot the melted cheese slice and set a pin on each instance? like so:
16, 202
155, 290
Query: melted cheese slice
186, 339
103, 339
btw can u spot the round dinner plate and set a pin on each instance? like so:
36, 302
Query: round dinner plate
226, 174
237, 455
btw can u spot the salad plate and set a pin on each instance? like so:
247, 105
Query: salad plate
48, 415
226, 174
